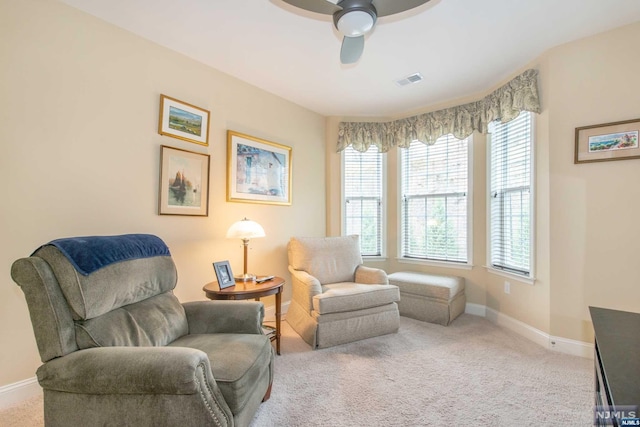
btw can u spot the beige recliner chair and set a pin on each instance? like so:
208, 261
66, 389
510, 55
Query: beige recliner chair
335, 298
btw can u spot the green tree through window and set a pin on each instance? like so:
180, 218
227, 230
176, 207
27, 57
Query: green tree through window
363, 198
435, 189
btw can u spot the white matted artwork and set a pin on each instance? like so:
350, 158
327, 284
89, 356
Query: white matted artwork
258, 171
607, 141
184, 182
183, 121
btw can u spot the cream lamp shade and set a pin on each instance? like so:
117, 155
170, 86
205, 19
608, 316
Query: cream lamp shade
245, 230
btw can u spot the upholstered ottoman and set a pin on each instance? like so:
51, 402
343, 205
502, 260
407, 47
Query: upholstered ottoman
429, 297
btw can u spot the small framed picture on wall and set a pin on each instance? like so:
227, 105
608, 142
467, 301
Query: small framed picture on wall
184, 182
183, 121
608, 141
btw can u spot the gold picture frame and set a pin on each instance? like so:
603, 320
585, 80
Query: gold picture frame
607, 141
183, 121
258, 171
184, 182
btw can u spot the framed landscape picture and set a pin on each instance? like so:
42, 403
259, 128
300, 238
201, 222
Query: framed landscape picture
184, 182
258, 171
607, 141
183, 121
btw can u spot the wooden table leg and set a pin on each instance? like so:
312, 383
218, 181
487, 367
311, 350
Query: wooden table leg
278, 314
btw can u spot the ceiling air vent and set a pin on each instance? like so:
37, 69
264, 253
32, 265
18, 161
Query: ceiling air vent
413, 78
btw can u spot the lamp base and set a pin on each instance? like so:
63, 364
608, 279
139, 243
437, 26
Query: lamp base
245, 277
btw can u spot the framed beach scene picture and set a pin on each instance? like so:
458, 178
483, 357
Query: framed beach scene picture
607, 141
258, 171
183, 121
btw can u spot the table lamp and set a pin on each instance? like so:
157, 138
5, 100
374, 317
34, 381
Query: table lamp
245, 230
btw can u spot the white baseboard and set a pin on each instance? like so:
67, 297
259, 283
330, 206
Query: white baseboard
527, 331
476, 309
573, 347
270, 312
16, 393
559, 344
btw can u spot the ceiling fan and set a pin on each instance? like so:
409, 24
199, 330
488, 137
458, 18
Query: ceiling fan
354, 18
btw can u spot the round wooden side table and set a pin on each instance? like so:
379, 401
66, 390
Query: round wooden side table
251, 290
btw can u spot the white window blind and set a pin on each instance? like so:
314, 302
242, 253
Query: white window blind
363, 196
510, 198
435, 184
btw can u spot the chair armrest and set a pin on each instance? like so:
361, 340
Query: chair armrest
371, 276
127, 370
221, 317
304, 288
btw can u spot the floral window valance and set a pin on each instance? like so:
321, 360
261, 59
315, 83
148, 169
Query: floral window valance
504, 104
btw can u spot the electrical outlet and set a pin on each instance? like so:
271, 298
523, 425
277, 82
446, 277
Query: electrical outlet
507, 287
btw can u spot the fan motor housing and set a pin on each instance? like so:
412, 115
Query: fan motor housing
349, 6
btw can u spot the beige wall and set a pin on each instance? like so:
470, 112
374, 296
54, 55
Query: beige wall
80, 154
594, 230
587, 238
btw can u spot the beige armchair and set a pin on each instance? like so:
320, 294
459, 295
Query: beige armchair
335, 298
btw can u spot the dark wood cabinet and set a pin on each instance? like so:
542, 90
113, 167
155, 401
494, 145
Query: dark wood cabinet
617, 365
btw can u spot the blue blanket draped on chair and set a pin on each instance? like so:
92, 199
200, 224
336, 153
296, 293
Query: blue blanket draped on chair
91, 253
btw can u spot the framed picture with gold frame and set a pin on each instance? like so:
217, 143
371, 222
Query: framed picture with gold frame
608, 141
258, 171
184, 182
183, 121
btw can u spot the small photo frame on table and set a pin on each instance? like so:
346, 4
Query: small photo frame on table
223, 274
183, 121
607, 141
258, 171
184, 182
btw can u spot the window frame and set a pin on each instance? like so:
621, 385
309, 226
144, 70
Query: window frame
459, 265
383, 204
508, 273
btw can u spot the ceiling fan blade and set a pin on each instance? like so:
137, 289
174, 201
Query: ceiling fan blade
351, 49
390, 7
326, 7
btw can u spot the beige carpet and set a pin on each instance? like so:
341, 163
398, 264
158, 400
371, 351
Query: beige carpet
28, 413
471, 373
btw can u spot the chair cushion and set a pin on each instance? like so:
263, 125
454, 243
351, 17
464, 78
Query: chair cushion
156, 321
111, 287
429, 285
349, 296
238, 361
328, 259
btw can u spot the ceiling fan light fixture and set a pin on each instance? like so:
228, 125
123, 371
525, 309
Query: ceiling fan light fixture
354, 18
355, 23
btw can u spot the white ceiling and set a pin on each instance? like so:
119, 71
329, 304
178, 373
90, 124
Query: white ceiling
461, 47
